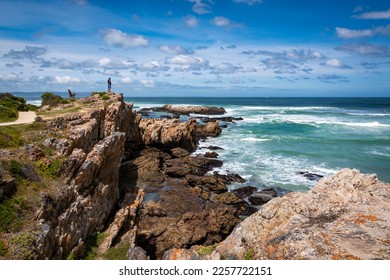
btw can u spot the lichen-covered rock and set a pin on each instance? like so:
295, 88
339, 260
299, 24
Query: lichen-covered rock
346, 216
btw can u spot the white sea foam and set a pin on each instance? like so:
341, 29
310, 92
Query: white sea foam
35, 102
253, 139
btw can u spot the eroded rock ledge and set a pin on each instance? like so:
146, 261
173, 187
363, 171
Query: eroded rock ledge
346, 216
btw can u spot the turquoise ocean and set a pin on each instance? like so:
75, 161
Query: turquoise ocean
280, 137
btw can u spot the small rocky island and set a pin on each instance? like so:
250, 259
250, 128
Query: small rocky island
94, 179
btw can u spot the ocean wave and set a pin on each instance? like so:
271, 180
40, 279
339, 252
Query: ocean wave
310, 120
370, 114
253, 139
35, 102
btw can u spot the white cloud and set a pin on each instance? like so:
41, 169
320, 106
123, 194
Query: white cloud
185, 60
191, 21
249, 2
29, 52
126, 80
125, 41
174, 50
65, 80
201, 7
365, 49
334, 62
147, 83
224, 22
374, 15
353, 33
224, 68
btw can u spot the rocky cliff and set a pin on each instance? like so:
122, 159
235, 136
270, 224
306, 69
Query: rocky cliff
346, 216
124, 177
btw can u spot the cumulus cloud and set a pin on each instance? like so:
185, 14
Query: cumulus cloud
175, 50
224, 22
374, 15
191, 21
201, 7
126, 80
65, 80
11, 77
287, 62
117, 38
29, 52
224, 68
365, 49
249, 2
334, 62
347, 33
147, 83
185, 60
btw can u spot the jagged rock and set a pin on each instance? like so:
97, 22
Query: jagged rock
263, 196
34, 152
345, 216
137, 253
179, 153
174, 216
208, 183
245, 192
180, 167
28, 172
73, 163
169, 134
181, 254
226, 198
311, 176
95, 188
186, 110
213, 148
210, 129
230, 178
211, 155
143, 170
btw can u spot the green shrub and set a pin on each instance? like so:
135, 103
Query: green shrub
249, 254
49, 170
10, 137
22, 247
51, 99
15, 168
8, 114
119, 252
3, 249
32, 107
207, 250
91, 245
10, 212
13, 102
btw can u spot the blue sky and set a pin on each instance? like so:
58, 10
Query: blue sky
197, 47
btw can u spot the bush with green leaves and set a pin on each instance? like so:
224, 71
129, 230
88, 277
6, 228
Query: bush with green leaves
51, 99
10, 105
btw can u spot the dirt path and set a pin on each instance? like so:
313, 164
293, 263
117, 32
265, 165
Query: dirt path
24, 117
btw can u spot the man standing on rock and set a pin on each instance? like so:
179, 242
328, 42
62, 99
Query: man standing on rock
109, 85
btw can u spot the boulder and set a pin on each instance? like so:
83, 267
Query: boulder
169, 134
210, 129
345, 216
263, 196
245, 192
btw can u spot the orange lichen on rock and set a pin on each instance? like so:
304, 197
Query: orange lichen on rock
362, 219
